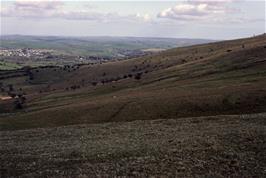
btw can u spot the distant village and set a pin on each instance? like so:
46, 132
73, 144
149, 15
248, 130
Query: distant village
51, 54
25, 52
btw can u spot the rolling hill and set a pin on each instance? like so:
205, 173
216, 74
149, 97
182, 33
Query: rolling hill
217, 78
196, 111
94, 46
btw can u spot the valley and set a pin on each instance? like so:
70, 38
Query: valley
183, 112
17, 51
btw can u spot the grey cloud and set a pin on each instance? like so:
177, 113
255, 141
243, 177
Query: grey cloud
198, 10
55, 9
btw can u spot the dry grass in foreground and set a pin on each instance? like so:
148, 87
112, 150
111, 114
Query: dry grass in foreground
216, 146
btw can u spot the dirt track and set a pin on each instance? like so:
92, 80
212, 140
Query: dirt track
219, 146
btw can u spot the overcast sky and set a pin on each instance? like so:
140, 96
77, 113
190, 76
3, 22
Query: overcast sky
178, 19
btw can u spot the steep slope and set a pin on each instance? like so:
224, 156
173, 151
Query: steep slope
218, 78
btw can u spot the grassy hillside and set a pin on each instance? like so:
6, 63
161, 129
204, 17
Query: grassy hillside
216, 146
212, 79
195, 111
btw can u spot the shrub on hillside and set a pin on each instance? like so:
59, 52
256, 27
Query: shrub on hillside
138, 76
94, 83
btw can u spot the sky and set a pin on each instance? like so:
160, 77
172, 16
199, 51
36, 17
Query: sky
220, 19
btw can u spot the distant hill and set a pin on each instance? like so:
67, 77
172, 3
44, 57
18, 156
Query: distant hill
95, 46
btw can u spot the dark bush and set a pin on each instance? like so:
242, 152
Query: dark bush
22, 99
13, 95
94, 83
31, 77
18, 105
184, 61
138, 76
10, 87
73, 87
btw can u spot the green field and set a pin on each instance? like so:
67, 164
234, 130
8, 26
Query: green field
8, 66
93, 46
